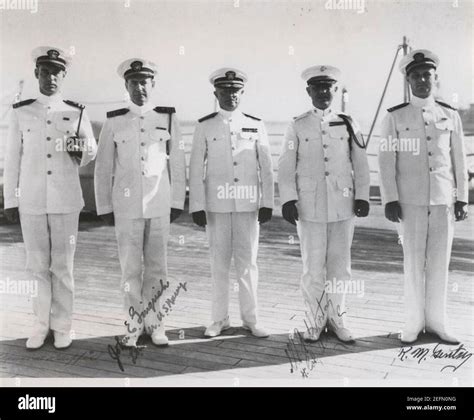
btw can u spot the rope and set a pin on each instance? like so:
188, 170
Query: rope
383, 95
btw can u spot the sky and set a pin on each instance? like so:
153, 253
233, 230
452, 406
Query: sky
272, 41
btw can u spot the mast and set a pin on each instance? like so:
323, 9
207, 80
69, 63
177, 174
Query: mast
344, 99
406, 89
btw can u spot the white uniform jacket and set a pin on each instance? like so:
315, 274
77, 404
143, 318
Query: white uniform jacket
231, 166
320, 169
428, 167
40, 176
131, 174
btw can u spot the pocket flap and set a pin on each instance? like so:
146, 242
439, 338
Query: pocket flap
445, 125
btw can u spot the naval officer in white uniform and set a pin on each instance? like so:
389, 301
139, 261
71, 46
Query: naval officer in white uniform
231, 192
48, 139
425, 188
323, 179
140, 185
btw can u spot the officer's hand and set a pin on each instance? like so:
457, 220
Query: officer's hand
74, 146
361, 208
393, 211
199, 217
175, 213
290, 212
108, 218
460, 210
264, 215
12, 215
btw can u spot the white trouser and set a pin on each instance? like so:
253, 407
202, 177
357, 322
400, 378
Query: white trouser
142, 245
234, 234
427, 233
326, 254
50, 243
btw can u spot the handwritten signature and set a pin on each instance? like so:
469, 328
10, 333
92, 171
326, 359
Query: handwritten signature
115, 351
302, 356
319, 317
421, 354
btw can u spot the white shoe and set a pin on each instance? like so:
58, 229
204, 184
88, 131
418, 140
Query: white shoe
312, 334
256, 330
129, 340
444, 336
62, 341
342, 333
408, 337
159, 339
36, 341
216, 328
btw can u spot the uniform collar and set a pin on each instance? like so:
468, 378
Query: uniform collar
422, 102
322, 112
227, 115
50, 100
140, 110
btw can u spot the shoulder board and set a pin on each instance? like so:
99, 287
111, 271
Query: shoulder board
445, 105
302, 115
23, 103
164, 110
117, 112
207, 117
74, 104
394, 108
251, 116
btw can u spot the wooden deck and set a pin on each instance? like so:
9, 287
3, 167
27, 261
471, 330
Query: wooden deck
236, 358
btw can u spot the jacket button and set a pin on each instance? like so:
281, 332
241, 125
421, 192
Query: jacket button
142, 117
236, 179
326, 173
235, 163
323, 132
325, 146
142, 143
49, 172
142, 130
306, 139
48, 122
430, 153
48, 138
427, 123
326, 159
143, 158
428, 138
431, 169
48, 155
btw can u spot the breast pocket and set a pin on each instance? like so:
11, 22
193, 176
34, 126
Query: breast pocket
126, 145
159, 137
339, 132
30, 127
247, 140
443, 133
215, 147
